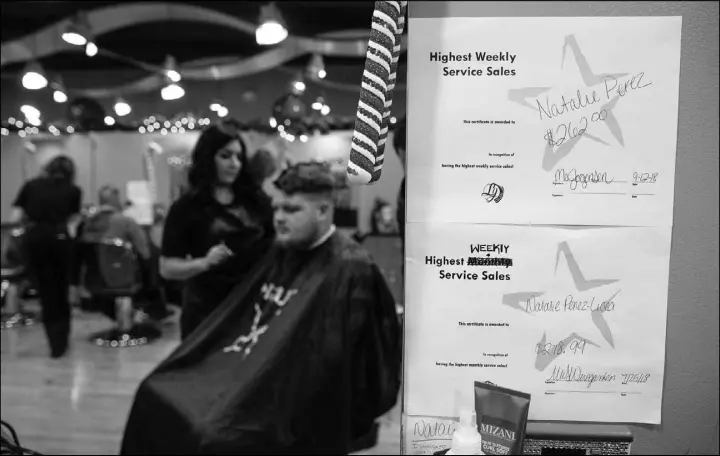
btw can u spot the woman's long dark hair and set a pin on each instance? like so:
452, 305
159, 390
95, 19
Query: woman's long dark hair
202, 175
61, 168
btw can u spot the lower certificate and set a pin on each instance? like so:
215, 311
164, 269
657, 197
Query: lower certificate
574, 316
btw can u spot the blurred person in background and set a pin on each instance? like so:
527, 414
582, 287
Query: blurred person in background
50, 204
383, 220
109, 222
215, 233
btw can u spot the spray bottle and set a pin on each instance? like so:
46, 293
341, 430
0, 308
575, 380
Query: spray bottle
466, 439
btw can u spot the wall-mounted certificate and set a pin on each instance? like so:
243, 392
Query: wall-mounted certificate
543, 120
574, 316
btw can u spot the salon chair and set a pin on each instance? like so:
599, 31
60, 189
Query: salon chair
14, 276
110, 269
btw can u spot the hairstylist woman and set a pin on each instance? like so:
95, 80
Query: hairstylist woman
218, 230
48, 204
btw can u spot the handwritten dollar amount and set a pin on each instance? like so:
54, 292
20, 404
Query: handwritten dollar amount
566, 131
576, 347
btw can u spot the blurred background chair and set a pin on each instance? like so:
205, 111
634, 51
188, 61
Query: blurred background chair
111, 272
14, 277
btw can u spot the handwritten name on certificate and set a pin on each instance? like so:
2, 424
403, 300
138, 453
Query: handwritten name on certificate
569, 121
574, 316
426, 435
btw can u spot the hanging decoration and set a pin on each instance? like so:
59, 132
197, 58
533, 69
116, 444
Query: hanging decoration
107, 19
347, 43
373, 112
307, 125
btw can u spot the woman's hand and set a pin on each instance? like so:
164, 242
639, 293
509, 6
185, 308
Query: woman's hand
217, 254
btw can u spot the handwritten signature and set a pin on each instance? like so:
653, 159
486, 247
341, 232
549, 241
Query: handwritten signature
576, 178
493, 193
575, 374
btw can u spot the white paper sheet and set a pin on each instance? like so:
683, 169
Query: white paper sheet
478, 145
140, 194
575, 317
424, 435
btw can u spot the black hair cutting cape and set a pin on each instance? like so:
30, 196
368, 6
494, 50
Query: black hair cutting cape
316, 379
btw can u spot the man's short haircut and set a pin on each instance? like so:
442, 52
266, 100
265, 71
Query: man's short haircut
400, 134
315, 178
109, 194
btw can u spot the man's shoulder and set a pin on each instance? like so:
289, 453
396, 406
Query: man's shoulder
349, 252
120, 218
36, 183
188, 204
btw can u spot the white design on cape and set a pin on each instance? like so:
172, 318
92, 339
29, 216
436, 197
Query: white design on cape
246, 343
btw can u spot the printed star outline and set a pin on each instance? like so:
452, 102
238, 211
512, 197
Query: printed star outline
514, 301
590, 79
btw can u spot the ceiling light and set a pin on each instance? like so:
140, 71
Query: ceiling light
216, 106
73, 36
109, 120
31, 112
272, 28
173, 75
223, 112
34, 121
77, 32
59, 96
34, 77
316, 68
122, 108
91, 49
172, 92
299, 86
325, 110
59, 93
318, 104
171, 69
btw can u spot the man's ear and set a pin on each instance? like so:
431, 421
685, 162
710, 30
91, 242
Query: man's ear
325, 206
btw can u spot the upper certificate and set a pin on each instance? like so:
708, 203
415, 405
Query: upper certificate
564, 121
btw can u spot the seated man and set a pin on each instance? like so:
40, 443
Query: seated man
301, 357
109, 222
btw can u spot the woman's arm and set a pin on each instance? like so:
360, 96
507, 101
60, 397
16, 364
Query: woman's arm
175, 262
174, 268
18, 214
182, 269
